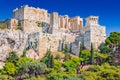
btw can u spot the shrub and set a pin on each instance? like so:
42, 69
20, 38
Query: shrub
57, 56
3, 77
10, 68
22, 60
40, 24
3, 27
60, 76
67, 57
57, 65
13, 58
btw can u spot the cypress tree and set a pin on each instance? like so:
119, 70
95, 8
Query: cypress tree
52, 61
92, 54
66, 49
48, 62
24, 53
67, 57
12, 57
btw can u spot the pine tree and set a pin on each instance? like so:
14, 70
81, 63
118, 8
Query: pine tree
92, 54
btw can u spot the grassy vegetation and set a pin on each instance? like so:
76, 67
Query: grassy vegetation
40, 24
3, 27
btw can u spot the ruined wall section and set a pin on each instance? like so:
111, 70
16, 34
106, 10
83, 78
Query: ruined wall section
63, 22
18, 13
75, 24
35, 14
93, 32
12, 23
30, 18
54, 23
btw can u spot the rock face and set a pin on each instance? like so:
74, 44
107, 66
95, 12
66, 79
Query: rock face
10, 40
32, 41
75, 48
15, 40
45, 27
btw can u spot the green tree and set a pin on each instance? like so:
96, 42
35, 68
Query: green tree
57, 65
24, 53
92, 54
72, 63
10, 68
48, 59
113, 39
85, 56
22, 60
101, 58
104, 48
61, 76
52, 61
57, 56
66, 49
67, 56
12, 57
33, 68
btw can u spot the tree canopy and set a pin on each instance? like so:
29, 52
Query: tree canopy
113, 39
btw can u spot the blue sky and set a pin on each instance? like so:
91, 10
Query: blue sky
107, 10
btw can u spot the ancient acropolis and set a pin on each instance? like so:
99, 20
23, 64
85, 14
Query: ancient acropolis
36, 30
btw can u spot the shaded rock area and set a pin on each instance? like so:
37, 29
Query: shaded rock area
32, 41
45, 27
11, 42
73, 47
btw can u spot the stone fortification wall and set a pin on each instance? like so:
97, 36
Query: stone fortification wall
98, 35
18, 13
30, 17
36, 14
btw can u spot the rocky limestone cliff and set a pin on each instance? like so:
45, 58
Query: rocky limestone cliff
16, 40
